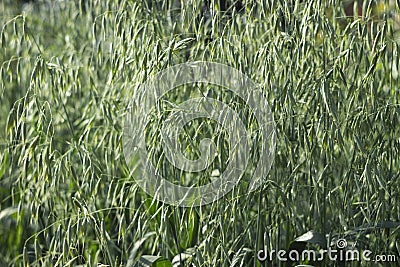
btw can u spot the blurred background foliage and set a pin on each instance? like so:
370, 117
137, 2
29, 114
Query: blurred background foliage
330, 70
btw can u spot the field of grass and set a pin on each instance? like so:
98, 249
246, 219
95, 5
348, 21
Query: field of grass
68, 70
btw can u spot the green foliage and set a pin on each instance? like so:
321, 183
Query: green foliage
153, 261
69, 68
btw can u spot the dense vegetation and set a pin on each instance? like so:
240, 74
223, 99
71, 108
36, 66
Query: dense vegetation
68, 69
